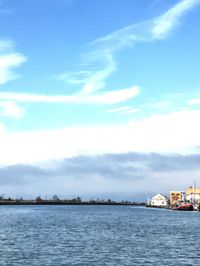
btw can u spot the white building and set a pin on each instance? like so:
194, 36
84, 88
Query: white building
193, 194
193, 197
159, 201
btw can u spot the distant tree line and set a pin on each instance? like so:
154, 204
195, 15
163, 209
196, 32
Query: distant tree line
56, 200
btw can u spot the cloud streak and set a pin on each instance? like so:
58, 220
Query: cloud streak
123, 110
108, 97
102, 50
146, 31
165, 23
99, 62
8, 62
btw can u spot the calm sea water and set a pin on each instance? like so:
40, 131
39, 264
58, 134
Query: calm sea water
98, 235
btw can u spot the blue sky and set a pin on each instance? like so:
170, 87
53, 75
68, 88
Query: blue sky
93, 78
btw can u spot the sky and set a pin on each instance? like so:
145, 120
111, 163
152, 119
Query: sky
99, 99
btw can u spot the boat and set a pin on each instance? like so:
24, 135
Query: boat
183, 206
196, 207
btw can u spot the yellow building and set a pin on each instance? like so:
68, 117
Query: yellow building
192, 190
193, 194
174, 197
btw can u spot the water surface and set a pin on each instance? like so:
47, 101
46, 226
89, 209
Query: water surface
98, 235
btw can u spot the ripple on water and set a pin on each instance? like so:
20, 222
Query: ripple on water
97, 235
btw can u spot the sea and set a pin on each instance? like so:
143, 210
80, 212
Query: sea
98, 235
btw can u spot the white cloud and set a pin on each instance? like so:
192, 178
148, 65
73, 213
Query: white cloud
123, 110
11, 109
112, 97
102, 50
175, 132
170, 19
30, 97
7, 63
194, 101
97, 80
109, 97
74, 78
131, 111
146, 31
92, 80
124, 37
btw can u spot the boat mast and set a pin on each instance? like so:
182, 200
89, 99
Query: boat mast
194, 185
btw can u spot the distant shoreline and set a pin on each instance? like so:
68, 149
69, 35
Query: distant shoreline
46, 202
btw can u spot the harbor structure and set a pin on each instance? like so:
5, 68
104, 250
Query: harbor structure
158, 200
193, 194
187, 200
175, 197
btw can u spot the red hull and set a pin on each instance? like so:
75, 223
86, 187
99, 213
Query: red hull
184, 207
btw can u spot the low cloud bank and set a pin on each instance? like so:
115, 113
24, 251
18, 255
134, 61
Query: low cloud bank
119, 176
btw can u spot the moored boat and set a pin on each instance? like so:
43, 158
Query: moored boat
183, 207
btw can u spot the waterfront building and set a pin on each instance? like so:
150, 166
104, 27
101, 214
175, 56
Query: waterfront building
175, 196
193, 194
158, 201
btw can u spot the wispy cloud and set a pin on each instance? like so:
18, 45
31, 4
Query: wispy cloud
108, 97
92, 79
123, 110
150, 30
7, 63
9, 60
75, 78
98, 62
30, 97
101, 52
112, 97
11, 109
97, 81
165, 23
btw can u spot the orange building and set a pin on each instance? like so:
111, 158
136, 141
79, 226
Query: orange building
174, 197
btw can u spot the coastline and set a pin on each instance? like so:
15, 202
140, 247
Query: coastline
68, 202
